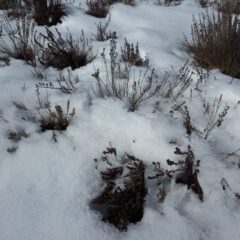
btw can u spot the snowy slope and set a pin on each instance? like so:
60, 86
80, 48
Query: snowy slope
45, 187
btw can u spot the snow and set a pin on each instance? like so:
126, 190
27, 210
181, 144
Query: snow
45, 187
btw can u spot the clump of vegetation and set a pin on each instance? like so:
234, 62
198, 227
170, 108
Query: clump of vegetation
205, 3
56, 118
125, 180
19, 42
175, 82
131, 54
121, 84
127, 2
66, 83
188, 171
102, 32
169, 2
97, 8
122, 199
6, 4
61, 52
16, 136
216, 114
100, 8
215, 42
48, 12
229, 6
185, 172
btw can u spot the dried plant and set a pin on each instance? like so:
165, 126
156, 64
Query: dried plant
215, 42
19, 8
127, 2
100, 8
185, 172
119, 82
188, 169
102, 32
225, 186
162, 177
16, 136
53, 119
131, 54
4, 4
175, 83
7, 4
122, 200
66, 83
233, 154
229, 6
122, 197
39, 73
48, 12
61, 52
215, 116
187, 123
206, 3
168, 2
97, 8
19, 42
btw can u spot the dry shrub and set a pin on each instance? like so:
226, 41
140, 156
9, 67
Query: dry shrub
12, 4
4, 4
168, 2
19, 42
184, 170
229, 6
97, 8
48, 12
53, 118
102, 32
122, 200
175, 82
100, 8
61, 52
205, 3
188, 170
215, 42
127, 2
17, 135
131, 54
66, 83
123, 82
214, 116
125, 181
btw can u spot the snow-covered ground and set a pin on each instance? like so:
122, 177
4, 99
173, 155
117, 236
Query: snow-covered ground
45, 187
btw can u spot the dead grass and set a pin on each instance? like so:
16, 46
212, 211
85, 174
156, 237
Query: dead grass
97, 8
18, 42
215, 42
229, 6
60, 52
48, 13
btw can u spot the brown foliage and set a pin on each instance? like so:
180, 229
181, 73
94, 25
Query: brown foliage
216, 42
61, 52
121, 205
